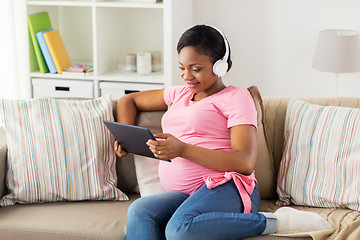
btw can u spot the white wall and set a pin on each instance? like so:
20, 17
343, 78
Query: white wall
273, 43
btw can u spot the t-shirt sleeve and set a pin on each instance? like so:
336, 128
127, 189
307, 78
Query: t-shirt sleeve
170, 94
240, 109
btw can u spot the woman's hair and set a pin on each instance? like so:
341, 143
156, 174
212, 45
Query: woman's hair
207, 41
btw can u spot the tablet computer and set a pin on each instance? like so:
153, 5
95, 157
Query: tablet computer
132, 138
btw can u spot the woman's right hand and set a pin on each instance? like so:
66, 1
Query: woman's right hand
119, 151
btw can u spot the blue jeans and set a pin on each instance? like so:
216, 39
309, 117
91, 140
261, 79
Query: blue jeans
207, 214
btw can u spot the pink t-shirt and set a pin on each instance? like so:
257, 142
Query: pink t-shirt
204, 123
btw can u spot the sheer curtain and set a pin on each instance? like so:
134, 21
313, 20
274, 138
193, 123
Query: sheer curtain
14, 67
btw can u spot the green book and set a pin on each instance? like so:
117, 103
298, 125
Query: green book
34, 66
37, 23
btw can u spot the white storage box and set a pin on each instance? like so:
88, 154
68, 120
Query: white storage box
62, 88
119, 89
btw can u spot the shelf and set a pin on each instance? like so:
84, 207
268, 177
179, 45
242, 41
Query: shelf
60, 3
120, 4
113, 76
116, 76
60, 76
103, 32
129, 4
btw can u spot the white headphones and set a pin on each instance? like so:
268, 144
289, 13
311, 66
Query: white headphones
220, 67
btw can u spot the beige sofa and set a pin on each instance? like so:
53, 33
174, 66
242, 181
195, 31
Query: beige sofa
107, 219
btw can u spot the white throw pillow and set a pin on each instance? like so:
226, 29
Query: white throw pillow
59, 150
147, 175
321, 160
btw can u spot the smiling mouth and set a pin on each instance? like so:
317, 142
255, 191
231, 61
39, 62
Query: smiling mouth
192, 85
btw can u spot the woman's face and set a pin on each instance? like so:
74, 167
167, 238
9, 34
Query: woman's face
196, 70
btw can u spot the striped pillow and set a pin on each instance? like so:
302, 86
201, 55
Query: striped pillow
321, 160
59, 150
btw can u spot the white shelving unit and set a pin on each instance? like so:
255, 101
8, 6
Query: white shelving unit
102, 32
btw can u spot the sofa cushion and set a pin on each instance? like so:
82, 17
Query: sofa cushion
320, 164
147, 175
274, 119
264, 168
87, 220
59, 150
125, 170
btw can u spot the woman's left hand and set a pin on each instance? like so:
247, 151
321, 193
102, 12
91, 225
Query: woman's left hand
166, 146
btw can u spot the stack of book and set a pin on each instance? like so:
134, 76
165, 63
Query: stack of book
47, 49
85, 70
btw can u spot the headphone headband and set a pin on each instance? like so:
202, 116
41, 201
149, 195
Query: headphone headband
220, 67
226, 56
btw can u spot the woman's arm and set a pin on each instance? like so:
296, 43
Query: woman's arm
241, 158
128, 106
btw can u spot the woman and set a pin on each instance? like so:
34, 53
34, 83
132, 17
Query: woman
210, 135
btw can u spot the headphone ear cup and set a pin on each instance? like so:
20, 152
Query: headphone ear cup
220, 68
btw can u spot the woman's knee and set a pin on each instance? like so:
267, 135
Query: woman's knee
174, 232
137, 208
177, 229
157, 207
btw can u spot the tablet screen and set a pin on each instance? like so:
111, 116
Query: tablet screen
132, 138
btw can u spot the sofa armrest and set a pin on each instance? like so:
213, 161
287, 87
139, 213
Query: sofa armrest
3, 159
